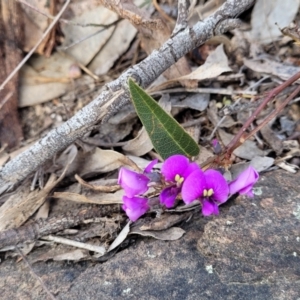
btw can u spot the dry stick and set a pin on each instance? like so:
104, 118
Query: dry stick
182, 16
237, 140
20, 65
35, 275
272, 115
115, 94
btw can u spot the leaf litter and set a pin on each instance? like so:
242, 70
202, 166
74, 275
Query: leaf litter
50, 93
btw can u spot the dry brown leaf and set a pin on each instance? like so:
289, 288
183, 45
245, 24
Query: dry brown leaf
165, 221
114, 48
23, 204
247, 150
103, 161
272, 139
96, 198
35, 25
75, 255
215, 64
140, 145
170, 234
98, 188
121, 237
44, 79
268, 66
86, 50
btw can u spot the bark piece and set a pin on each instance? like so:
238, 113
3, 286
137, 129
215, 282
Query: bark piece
11, 34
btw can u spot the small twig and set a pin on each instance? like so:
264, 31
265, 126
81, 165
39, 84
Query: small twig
153, 91
35, 275
237, 139
247, 91
6, 98
182, 16
61, 240
20, 65
272, 115
161, 12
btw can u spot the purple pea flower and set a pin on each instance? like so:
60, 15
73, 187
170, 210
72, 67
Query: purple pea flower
135, 183
135, 207
175, 170
210, 187
243, 184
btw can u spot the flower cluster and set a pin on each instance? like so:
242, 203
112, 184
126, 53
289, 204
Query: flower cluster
134, 185
180, 176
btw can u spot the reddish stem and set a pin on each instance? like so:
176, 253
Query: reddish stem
238, 139
274, 113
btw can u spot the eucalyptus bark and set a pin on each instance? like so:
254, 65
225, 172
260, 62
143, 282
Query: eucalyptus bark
116, 94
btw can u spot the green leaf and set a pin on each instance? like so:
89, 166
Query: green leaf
166, 134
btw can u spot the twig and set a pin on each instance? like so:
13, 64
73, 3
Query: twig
6, 98
247, 91
161, 12
20, 65
182, 16
86, 246
273, 114
35, 275
238, 137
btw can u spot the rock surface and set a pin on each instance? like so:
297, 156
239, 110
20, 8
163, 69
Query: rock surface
251, 251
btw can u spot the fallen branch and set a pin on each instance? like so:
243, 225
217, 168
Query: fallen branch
115, 94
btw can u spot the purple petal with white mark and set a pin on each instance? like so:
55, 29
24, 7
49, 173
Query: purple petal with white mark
133, 183
135, 207
193, 186
216, 181
174, 165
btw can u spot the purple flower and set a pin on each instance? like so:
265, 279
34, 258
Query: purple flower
135, 207
210, 187
135, 183
175, 170
243, 184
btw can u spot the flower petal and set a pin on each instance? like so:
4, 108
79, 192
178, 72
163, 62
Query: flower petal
174, 165
150, 166
243, 184
190, 169
209, 207
168, 196
193, 186
133, 183
216, 181
135, 207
